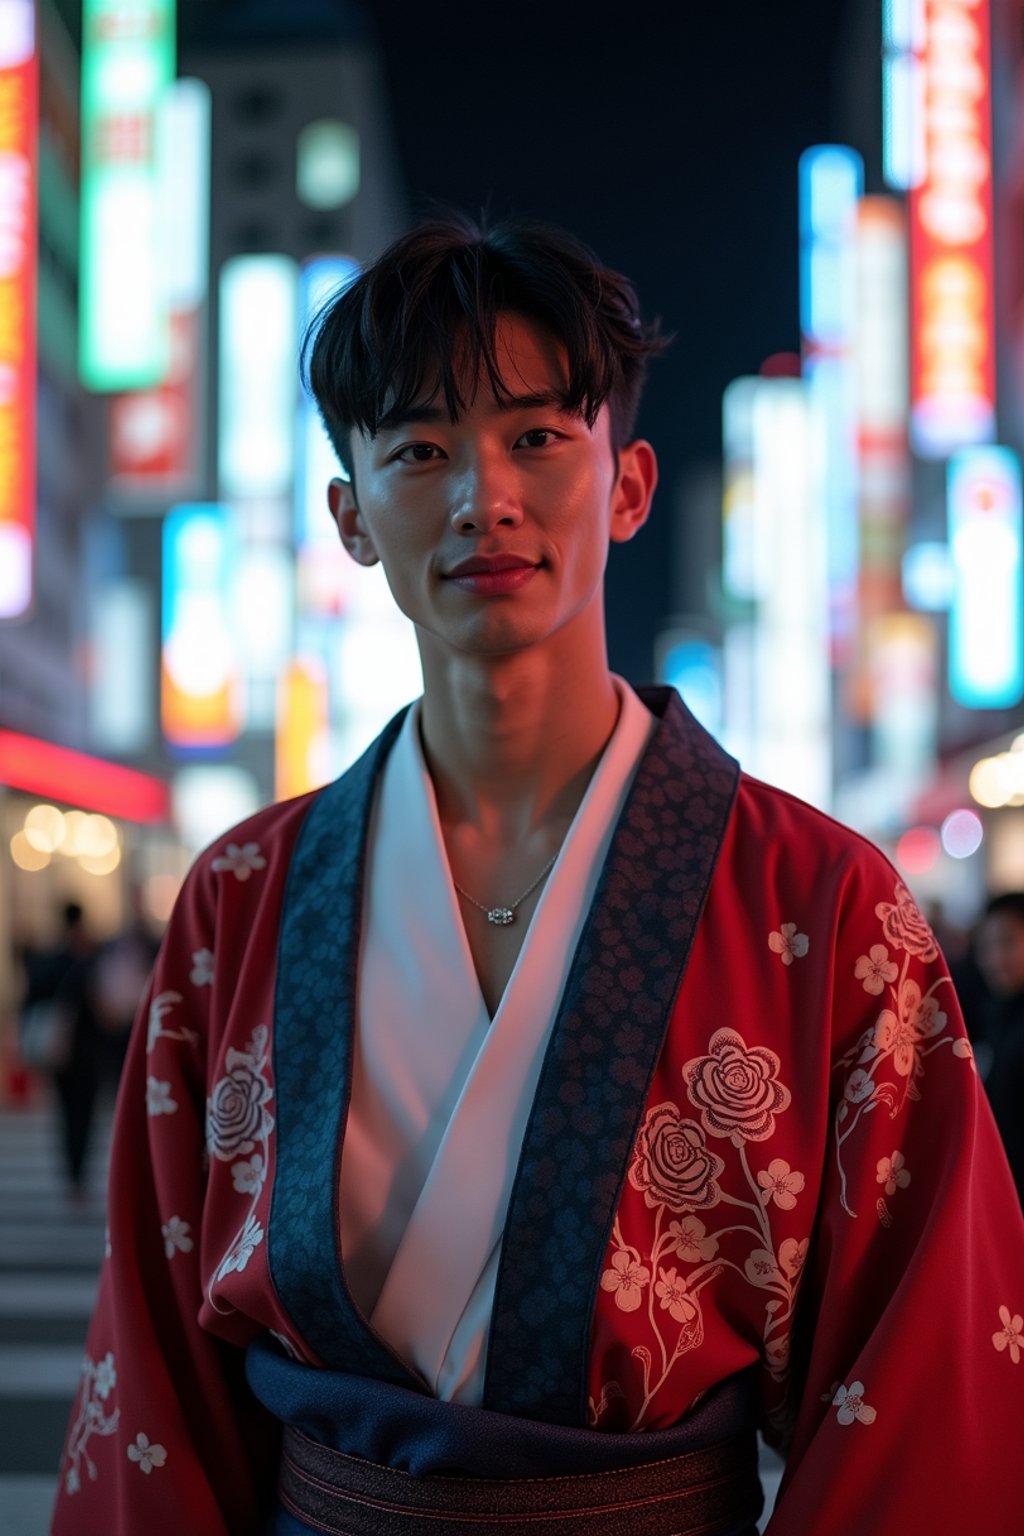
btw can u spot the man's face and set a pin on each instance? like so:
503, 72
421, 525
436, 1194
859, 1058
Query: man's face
1000, 952
494, 532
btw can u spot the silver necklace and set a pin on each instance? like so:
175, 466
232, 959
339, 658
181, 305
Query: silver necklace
502, 916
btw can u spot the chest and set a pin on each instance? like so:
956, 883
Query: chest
495, 947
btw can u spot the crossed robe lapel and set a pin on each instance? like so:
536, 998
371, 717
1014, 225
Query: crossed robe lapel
435, 1301
678, 806
314, 1014
604, 1047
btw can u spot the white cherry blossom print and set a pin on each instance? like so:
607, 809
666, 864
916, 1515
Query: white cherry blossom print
248, 1174
849, 1401
105, 1378
177, 1238
691, 1241
1011, 1336
162, 1005
875, 970
762, 1269
893, 1172
242, 1249
99, 1380
671, 1292
793, 1254
627, 1278
201, 974
158, 1098
788, 944
963, 1048
146, 1455
239, 860
780, 1183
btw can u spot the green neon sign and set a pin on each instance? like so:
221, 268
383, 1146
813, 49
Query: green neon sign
128, 60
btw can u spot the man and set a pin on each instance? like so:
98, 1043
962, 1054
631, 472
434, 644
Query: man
999, 947
572, 1104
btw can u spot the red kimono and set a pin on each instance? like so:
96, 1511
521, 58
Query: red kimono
758, 1142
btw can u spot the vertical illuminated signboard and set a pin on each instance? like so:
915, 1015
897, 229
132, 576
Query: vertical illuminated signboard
953, 383
831, 180
986, 616
18, 110
258, 353
791, 673
155, 434
127, 64
200, 678
884, 457
322, 563
903, 147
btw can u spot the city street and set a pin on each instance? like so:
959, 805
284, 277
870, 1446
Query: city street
49, 1258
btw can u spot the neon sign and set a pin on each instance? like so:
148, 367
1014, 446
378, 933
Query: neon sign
986, 617
19, 65
953, 349
127, 63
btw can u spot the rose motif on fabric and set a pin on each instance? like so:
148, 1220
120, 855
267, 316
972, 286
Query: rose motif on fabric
905, 927
736, 1090
673, 1165
235, 1116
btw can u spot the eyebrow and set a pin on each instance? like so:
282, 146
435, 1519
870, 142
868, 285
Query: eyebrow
545, 399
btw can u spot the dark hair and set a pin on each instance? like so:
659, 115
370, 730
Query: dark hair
1010, 902
425, 313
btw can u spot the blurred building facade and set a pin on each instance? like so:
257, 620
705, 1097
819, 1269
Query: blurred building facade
170, 546
865, 646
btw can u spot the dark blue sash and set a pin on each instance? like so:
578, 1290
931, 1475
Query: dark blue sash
394, 1427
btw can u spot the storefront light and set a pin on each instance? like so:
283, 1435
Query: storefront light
44, 828
25, 856
998, 781
918, 850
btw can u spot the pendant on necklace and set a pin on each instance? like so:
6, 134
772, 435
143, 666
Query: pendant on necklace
501, 916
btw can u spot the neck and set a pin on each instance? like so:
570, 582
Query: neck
511, 746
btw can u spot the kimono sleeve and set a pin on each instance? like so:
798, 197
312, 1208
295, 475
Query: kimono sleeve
164, 1434
912, 1305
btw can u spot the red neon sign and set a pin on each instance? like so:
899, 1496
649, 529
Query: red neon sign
953, 379
57, 773
19, 90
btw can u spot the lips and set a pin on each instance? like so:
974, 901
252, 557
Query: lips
490, 565
493, 575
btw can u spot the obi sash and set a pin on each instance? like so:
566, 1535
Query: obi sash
369, 1458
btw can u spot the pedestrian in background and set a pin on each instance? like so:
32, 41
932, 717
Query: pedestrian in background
999, 946
59, 1036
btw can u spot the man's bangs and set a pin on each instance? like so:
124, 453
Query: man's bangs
445, 348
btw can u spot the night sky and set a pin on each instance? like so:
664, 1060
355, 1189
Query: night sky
671, 146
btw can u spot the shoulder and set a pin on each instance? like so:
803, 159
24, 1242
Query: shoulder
787, 828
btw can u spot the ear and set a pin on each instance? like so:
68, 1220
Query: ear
349, 521
634, 490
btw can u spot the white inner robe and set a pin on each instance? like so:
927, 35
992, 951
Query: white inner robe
441, 1092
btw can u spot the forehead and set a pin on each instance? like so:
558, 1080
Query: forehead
529, 362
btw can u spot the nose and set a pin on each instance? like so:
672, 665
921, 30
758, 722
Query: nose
486, 497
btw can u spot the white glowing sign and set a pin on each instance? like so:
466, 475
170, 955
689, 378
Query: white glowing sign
986, 619
127, 65
831, 179
258, 356
791, 660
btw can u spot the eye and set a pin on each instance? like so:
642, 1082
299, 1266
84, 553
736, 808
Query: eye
539, 437
417, 453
